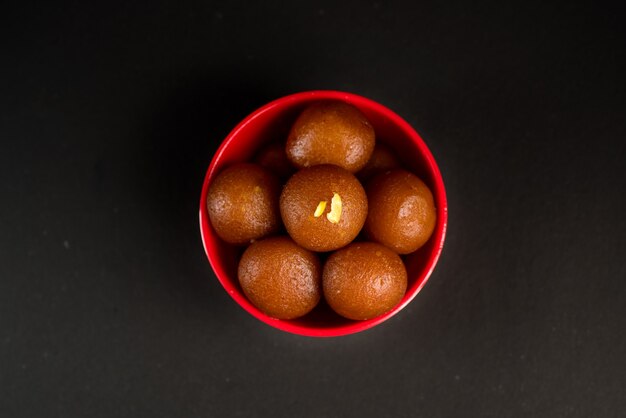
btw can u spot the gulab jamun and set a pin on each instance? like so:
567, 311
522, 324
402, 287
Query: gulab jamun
273, 158
363, 280
323, 207
331, 132
382, 159
402, 212
280, 278
242, 202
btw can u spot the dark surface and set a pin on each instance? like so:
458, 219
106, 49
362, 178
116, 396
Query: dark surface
109, 116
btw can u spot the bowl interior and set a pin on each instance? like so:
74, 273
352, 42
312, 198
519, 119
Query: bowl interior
272, 123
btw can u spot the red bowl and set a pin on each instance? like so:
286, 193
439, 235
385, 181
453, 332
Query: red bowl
273, 121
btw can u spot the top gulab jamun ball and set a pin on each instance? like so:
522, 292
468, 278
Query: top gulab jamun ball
331, 132
323, 207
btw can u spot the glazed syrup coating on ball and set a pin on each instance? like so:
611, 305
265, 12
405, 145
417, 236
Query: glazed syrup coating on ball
331, 132
382, 159
364, 280
243, 203
274, 158
323, 207
280, 278
402, 213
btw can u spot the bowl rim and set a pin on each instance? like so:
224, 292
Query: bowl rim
439, 233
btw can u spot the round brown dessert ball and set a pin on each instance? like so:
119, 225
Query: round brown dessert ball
331, 132
363, 280
323, 207
402, 212
274, 158
280, 278
243, 203
382, 159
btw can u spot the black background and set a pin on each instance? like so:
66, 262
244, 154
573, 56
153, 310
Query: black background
110, 113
